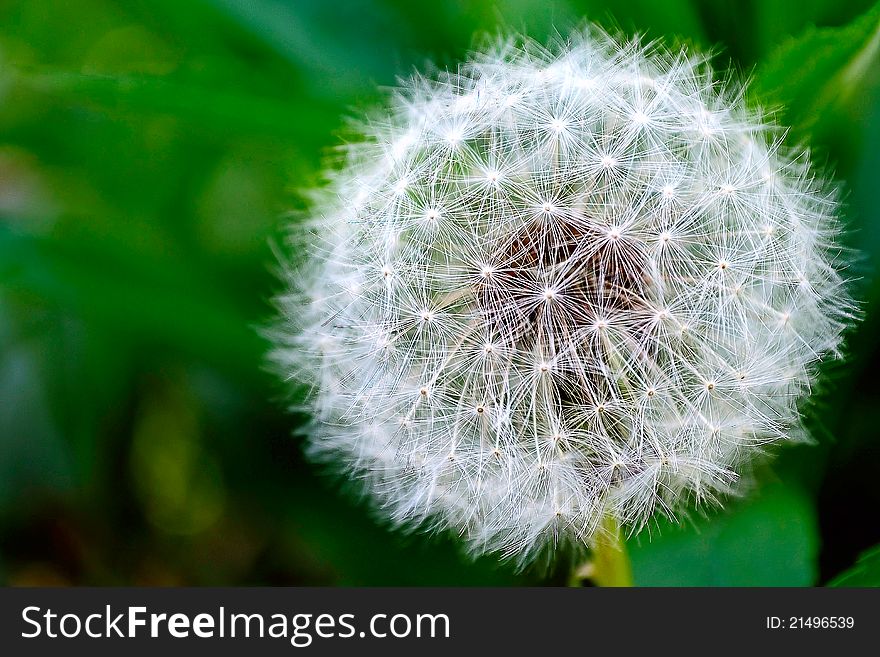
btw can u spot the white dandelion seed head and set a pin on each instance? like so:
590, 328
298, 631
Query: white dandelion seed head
562, 284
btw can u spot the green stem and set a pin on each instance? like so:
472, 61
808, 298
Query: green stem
609, 561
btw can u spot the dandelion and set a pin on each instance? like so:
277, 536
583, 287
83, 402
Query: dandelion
559, 286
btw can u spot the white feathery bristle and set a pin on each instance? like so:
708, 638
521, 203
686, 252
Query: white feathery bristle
558, 285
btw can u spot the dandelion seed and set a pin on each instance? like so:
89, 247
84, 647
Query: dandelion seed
640, 118
588, 340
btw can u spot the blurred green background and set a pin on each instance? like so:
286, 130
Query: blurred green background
149, 150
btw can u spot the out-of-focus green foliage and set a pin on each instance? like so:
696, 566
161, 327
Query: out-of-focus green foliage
866, 572
814, 76
149, 151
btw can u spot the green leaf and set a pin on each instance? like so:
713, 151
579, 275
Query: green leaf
823, 69
866, 571
767, 540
